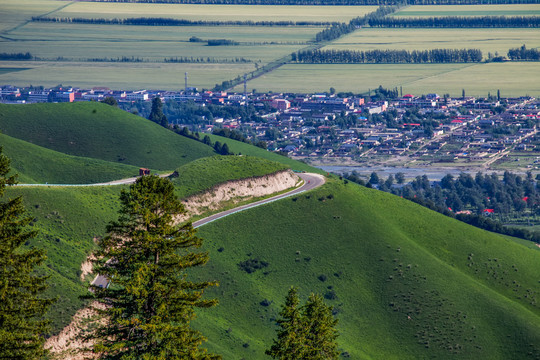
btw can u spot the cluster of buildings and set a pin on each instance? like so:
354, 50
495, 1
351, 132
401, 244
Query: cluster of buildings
327, 125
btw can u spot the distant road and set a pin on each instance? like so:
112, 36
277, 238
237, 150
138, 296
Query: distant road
110, 183
311, 181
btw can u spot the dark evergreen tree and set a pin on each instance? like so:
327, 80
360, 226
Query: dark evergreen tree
225, 150
150, 301
307, 332
156, 114
290, 342
22, 304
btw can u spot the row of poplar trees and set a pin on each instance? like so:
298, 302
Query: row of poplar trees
148, 302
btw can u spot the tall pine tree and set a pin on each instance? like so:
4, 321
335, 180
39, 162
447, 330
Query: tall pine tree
22, 305
307, 332
150, 301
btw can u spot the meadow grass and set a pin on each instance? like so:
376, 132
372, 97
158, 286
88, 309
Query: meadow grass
487, 40
241, 148
38, 165
68, 219
512, 78
203, 174
126, 76
100, 131
404, 286
469, 10
215, 12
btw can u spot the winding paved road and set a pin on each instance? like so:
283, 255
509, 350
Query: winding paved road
311, 181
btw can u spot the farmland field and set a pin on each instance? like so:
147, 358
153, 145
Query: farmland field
470, 10
214, 12
128, 76
487, 40
52, 40
16, 12
513, 79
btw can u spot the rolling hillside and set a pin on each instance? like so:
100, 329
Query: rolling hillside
37, 165
100, 131
407, 283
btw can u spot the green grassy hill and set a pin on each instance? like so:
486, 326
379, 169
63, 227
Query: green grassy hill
408, 283
68, 219
100, 131
203, 174
239, 147
38, 165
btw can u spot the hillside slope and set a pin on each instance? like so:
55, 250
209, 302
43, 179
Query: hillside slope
407, 283
100, 131
37, 165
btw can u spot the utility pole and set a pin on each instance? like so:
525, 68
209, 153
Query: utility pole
185, 83
245, 89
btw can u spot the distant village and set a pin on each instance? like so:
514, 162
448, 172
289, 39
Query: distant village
430, 128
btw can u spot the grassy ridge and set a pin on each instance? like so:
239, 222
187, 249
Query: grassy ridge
100, 131
239, 147
205, 173
468, 293
37, 165
68, 219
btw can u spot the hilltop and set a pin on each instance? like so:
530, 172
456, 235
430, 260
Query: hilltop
37, 165
100, 131
406, 282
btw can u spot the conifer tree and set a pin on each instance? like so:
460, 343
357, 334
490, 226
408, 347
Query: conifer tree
290, 342
321, 333
150, 301
307, 332
22, 304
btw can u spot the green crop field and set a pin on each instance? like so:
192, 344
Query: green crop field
470, 10
17, 12
488, 40
151, 43
513, 79
127, 76
214, 12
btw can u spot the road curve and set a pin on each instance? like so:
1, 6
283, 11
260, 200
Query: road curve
311, 181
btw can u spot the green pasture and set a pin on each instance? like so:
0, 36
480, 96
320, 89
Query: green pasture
488, 40
68, 219
242, 148
38, 165
214, 12
513, 78
203, 174
127, 76
404, 286
469, 10
99, 131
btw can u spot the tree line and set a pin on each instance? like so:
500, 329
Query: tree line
458, 22
388, 56
522, 53
161, 21
328, 2
16, 56
336, 30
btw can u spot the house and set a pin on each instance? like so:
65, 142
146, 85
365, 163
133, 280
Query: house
144, 171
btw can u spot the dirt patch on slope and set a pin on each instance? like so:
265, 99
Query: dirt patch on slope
240, 190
